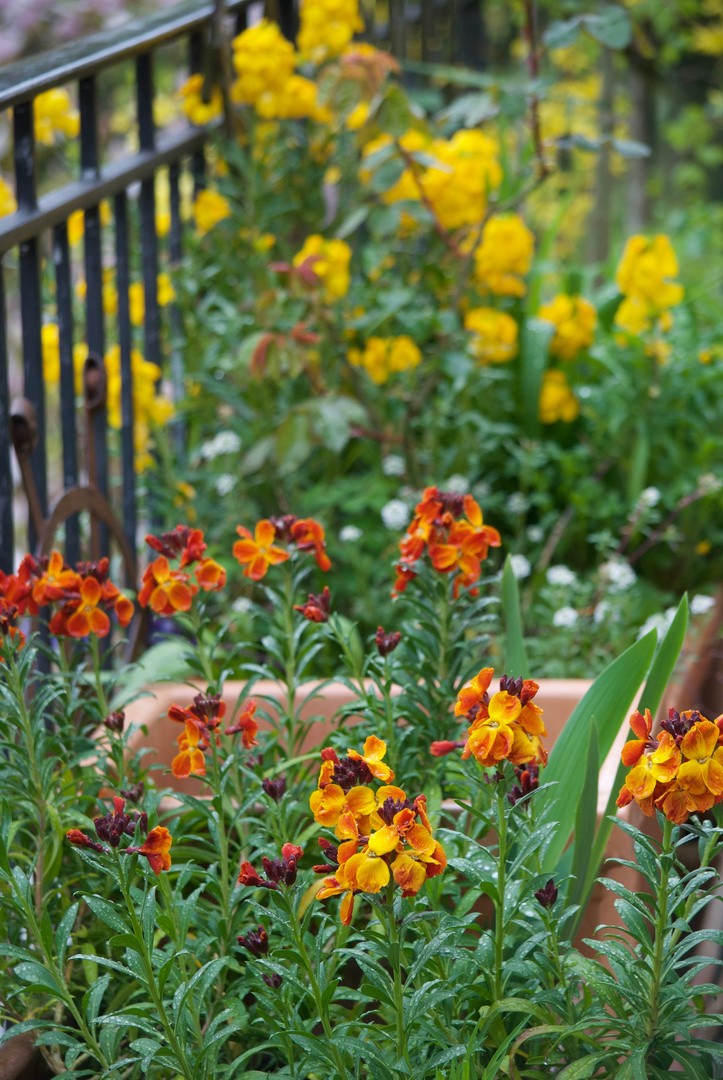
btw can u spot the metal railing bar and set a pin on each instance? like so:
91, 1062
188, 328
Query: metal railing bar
94, 314
6, 477
64, 301
147, 205
25, 79
82, 194
175, 251
123, 281
30, 300
195, 64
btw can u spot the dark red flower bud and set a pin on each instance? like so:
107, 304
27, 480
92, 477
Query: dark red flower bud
281, 870
292, 851
446, 746
248, 876
329, 754
387, 642
273, 981
276, 788
77, 837
316, 608
114, 825
141, 821
116, 721
548, 895
256, 941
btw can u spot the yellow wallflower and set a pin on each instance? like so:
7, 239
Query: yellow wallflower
208, 209
503, 257
633, 316
55, 114
494, 335
574, 319
110, 295
50, 339
137, 303
264, 61
8, 204
166, 292
382, 357
357, 118
76, 222
329, 261
327, 27
470, 169
557, 401
193, 105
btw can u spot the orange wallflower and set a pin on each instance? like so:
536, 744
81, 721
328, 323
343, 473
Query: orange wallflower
156, 849
55, 582
210, 575
374, 751
257, 552
190, 759
308, 535
167, 591
506, 726
701, 774
247, 724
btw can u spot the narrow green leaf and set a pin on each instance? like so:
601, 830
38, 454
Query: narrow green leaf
606, 704
581, 1068
534, 344
659, 676
585, 822
107, 913
516, 658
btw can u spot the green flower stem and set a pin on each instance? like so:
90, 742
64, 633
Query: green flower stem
389, 711
167, 1026
395, 959
316, 992
709, 849
202, 652
666, 862
180, 945
116, 742
444, 610
222, 837
18, 690
292, 738
501, 882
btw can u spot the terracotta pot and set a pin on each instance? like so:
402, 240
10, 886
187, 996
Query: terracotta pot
557, 698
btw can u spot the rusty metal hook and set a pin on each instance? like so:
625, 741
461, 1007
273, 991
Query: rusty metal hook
24, 433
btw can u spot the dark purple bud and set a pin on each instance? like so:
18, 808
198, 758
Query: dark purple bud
115, 722
256, 941
272, 981
548, 895
276, 788
387, 642
134, 794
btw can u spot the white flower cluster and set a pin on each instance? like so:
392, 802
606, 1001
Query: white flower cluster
350, 534
535, 534
393, 465
242, 605
701, 604
457, 484
649, 498
659, 622
395, 514
618, 575
561, 575
226, 442
518, 503
225, 483
564, 616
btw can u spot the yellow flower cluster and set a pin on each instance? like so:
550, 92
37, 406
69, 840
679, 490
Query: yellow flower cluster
136, 295
8, 203
76, 222
208, 209
504, 256
557, 401
494, 335
193, 105
382, 357
644, 278
327, 260
327, 27
574, 319
457, 187
149, 408
54, 114
264, 62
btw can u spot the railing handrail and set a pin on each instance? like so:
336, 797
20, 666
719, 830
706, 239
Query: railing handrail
24, 79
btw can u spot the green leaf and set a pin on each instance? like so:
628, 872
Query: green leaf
585, 822
658, 678
37, 975
534, 344
611, 27
516, 663
606, 704
107, 913
581, 1068
63, 931
630, 148
149, 918
560, 35
353, 221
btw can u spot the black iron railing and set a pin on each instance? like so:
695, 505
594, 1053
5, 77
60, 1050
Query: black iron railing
429, 30
40, 225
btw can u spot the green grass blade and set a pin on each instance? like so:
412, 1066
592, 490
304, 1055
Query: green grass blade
516, 658
585, 822
606, 704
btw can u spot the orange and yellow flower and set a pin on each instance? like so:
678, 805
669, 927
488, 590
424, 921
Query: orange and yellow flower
166, 590
189, 759
257, 553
